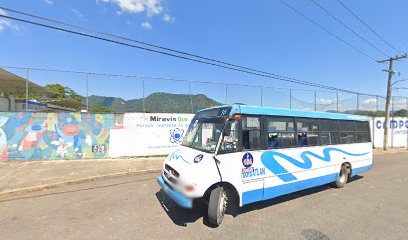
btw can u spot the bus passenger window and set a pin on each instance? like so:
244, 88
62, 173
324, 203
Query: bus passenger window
280, 132
272, 140
329, 134
251, 133
302, 139
307, 132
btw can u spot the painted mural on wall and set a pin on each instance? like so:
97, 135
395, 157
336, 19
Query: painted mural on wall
53, 136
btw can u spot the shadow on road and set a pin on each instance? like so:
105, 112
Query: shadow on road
181, 216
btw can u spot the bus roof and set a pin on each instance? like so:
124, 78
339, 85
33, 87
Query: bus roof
245, 109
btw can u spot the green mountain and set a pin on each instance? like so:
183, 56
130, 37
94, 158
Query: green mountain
11, 84
156, 102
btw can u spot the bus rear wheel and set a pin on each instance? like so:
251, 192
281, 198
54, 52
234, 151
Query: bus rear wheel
217, 206
343, 177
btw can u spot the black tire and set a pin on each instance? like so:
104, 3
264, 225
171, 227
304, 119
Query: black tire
217, 206
343, 177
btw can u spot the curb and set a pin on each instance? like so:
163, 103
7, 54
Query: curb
72, 182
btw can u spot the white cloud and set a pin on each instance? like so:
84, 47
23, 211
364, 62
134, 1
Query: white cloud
168, 18
49, 2
4, 23
370, 101
150, 7
102, 1
77, 13
146, 25
326, 101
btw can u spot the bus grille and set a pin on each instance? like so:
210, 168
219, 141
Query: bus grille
170, 174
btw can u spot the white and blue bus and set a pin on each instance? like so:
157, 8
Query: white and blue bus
258, 153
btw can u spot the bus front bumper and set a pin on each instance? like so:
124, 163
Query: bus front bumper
179, 198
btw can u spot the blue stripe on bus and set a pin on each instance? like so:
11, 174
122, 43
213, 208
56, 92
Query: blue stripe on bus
359, 170
297, 113
178, 197
244, 109
276, 191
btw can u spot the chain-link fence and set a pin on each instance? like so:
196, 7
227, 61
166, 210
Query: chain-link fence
34, 89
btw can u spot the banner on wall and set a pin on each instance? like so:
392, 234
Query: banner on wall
398, 132
142, 134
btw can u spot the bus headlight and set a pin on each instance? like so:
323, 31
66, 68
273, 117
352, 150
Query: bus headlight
189, 188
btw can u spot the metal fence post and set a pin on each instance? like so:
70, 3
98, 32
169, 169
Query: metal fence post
290, 98
337, 101
87, 92
191, 98
26, 89
376, 103
315, 101
358, 102
226, 93
143, 96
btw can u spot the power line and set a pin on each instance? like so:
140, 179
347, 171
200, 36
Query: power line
348, 28
365, 24
327, 31
181, 57
156, 46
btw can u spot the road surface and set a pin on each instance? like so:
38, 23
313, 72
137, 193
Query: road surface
372, 206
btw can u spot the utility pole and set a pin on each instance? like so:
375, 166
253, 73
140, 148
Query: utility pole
388, 99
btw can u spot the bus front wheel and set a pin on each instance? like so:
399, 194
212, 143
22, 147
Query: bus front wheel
343, 177
217, 206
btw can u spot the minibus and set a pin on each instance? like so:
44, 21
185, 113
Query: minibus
258, 153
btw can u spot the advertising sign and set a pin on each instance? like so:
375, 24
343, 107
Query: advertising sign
142, 134
398, 132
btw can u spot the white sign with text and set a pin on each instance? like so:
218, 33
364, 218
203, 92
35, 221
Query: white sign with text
143, 134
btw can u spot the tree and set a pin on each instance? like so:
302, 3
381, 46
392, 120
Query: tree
96, 108
64, 92
401, 113
371, 113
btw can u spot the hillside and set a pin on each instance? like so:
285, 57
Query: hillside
156, 102
16, 85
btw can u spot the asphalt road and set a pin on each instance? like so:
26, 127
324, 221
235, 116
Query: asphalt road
372, 206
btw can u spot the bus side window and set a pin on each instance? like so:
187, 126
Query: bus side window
307, 132
346, 129
251, 133
280, 132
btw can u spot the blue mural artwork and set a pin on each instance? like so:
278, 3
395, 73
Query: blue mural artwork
46, 136
270, 162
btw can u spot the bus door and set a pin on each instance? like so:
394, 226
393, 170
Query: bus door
240, 157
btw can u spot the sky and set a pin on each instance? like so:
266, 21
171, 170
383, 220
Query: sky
263, 34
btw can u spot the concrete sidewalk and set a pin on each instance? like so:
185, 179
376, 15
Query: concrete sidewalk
28, 176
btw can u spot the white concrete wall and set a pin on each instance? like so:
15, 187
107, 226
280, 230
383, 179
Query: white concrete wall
398, 133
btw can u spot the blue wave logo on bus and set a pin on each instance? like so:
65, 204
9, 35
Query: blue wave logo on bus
269, 160
176, 156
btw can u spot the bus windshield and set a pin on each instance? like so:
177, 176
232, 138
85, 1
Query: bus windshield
203, 133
